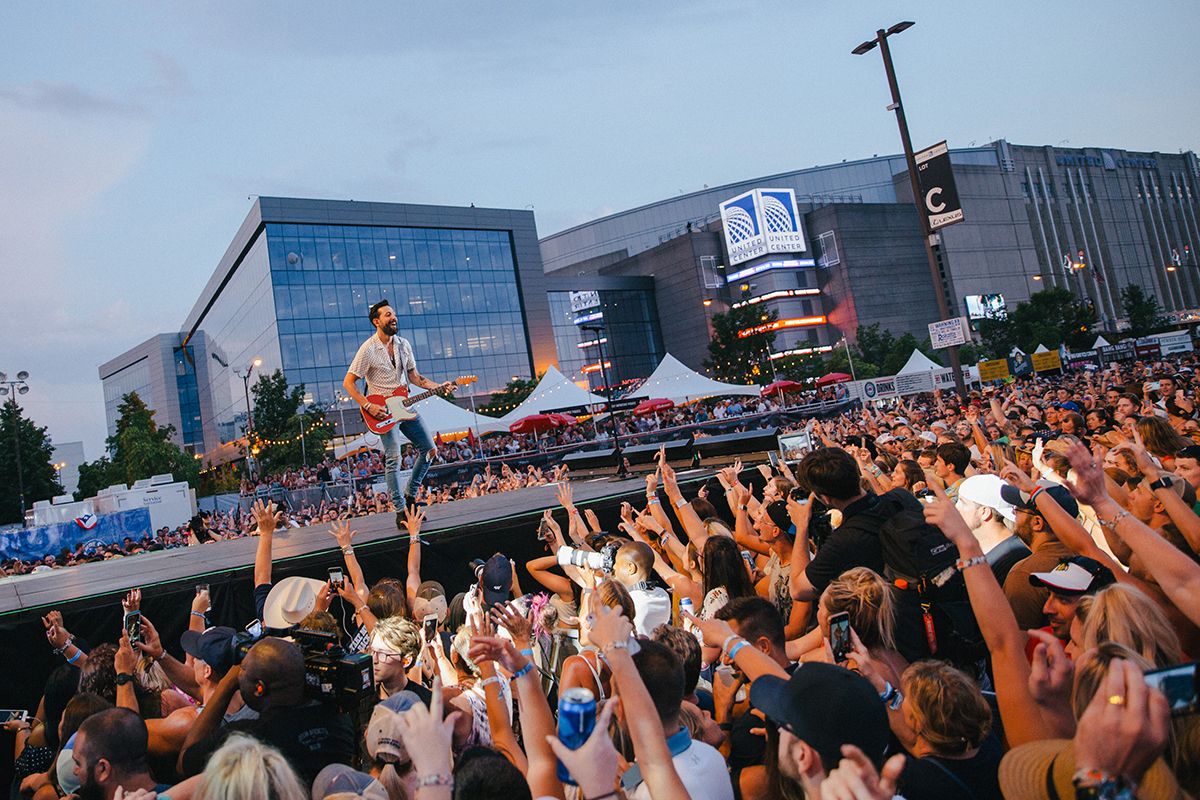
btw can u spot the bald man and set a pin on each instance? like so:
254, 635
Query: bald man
633, 568
310, 734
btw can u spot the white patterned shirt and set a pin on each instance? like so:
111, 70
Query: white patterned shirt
373, 364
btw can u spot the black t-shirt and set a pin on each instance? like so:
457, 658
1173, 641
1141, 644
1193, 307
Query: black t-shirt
1002, 557
855, 543
310, 736
260, 598
933, 778
420, 691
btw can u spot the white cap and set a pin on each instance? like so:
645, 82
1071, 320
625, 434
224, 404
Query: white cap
984, 490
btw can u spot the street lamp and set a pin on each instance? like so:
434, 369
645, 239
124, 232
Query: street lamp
599, 331
245, 376
881, 41
11, 389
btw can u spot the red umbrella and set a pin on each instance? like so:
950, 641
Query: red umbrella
540, 423
653, 406
833, 377
781, 385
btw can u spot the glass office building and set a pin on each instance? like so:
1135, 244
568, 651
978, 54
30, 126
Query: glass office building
292, 293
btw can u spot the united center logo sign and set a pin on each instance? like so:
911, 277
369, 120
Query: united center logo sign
762, 221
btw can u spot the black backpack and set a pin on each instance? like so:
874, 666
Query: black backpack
934, 616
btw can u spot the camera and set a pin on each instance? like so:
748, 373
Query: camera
601, 561
347, 680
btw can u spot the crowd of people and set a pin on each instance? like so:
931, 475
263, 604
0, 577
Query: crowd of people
987, 596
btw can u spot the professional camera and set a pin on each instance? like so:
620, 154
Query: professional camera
602, 560
331, 674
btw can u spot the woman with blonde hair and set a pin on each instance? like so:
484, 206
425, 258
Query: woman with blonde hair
1122, 614
246, 769
586, 669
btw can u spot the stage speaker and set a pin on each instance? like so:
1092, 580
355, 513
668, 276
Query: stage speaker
678, 450
591, 460
726, 447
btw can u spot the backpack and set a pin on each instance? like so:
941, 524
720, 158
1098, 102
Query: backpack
934, 617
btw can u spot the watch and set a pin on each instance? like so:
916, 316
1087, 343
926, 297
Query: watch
124, 678
1163, 482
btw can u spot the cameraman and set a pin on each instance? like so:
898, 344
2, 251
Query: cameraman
270, 679
632, 569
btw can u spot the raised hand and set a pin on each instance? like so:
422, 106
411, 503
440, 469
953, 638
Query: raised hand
1014, 476
593, 521
413, 517
800, 513
341, 532
1052, 673
266, 516
1088, 486
202, 602
151, 643
55, 631
566, 496
713, 631
942, 513
125, 659
427, 736
608, 626
132, 601
518, 625
855, 777
1125, 727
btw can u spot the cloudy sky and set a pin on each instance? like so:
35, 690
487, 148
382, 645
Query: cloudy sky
133, 134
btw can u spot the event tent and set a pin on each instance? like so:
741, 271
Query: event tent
677, 382
554, 390
919, 362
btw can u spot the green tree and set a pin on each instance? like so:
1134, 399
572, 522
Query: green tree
740, 359
511, 396
38, 477
284, 430
1142, 310
1050, 317
138, 449
873, 347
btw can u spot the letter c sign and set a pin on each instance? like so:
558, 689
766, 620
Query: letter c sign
931, 203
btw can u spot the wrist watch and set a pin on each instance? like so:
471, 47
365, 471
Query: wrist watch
124, 678
1163, 482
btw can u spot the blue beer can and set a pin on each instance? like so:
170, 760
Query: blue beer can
576, 721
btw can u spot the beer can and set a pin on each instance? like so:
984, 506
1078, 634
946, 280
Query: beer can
576, 721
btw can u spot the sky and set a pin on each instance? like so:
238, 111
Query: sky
134, 136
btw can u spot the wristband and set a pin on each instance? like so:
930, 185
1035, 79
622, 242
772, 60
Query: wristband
76, 657
964, 563
124, 678
200, 614
441, 779
737, 647
1111, 524
486, 682
1163, 482
348, 551
1033, 495
681, 502
61, 651
527, 652
622, 645
523, 671
651, 500
728, 639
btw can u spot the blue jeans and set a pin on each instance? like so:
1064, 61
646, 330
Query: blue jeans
392, 445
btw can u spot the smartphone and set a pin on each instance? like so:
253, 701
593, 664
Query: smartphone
773, 457
429, 624
543, 531
13, 714
839, 636
926, 495
201, 587
749, 558
1179, 684
336, 579
255, 629
133, 626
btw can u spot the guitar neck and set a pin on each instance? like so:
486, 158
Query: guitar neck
416, 398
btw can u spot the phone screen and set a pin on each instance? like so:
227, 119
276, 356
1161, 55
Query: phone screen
430, 626
1179, 686
133, 626
255, 629
839, 636
336, 578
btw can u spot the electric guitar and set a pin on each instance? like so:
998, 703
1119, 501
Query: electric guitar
399, 404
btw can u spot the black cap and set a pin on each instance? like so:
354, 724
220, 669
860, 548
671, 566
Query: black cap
826, 706
497, 580
778, 513
214, 647
1018, 499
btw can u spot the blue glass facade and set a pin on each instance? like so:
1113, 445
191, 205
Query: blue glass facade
633, 342
187, 387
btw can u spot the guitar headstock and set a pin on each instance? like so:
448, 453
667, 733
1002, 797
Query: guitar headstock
465, 380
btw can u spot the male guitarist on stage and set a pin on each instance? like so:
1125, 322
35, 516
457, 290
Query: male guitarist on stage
385, 361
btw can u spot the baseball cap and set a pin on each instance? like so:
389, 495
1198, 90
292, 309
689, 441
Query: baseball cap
1018, 499
884, 438
985, 490
290, 601
928, 436
1069, 405
424, 606
826, 706
497, 580
340, 782
381, 736
778, 513
213, 646
1076, 575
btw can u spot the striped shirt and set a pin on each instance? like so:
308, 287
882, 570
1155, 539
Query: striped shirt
374, 364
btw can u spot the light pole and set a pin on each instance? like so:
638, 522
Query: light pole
849, 360
245, 376
939, 285
599, 330
12, 389
342, 415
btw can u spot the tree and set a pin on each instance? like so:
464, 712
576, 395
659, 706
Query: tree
511, 396
38, 477
284, 430
873, 346
1142, 310
140, 448
1051, 317
740, 359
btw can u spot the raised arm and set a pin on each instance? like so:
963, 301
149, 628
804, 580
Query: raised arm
693, 526
413, 517
267, 518
341, 531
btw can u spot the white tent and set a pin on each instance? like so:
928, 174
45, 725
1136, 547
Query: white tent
674, 381
1041, 348
1100, 342
554, 390
367, 439
919, 362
